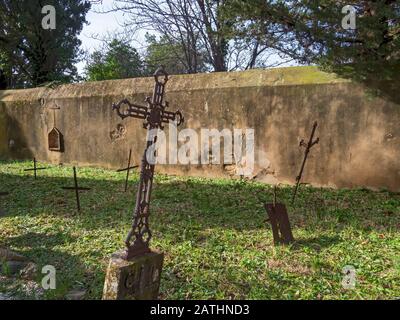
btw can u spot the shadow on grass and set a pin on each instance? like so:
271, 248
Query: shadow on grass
180, 204
316, 243
41, 248
186, 213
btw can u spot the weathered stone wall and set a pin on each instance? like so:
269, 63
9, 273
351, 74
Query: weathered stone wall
360, 133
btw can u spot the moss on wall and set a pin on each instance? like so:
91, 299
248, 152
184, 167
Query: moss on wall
360, 136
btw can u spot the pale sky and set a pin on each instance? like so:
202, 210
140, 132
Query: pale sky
102, 24
99, 26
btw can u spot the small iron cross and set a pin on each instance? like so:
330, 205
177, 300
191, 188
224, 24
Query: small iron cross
128, 170
155, 115
35, 168
76, 188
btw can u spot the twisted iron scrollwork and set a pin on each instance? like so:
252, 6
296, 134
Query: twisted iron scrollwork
155, 116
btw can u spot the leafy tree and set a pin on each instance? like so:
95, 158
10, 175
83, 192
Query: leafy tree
117, 60
162, 52
312, 32
3, 77
32, 55
3, 80
196, 31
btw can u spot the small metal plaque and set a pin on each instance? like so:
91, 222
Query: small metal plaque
279, 219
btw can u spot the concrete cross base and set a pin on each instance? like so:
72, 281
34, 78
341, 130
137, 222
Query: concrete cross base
135, 279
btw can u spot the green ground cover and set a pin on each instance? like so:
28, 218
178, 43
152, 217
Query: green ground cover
213, 232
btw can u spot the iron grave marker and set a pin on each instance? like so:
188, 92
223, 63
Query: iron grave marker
128, 169
311, 143
135, 273
35, 169
76, 188
279, 219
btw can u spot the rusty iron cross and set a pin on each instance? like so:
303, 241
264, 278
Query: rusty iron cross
35, 168
128, 170
155, 115
77, 189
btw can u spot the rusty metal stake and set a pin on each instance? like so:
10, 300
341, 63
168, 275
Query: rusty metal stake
279, 220
308, 146
128, 169
155, 115
77, 189
35, 168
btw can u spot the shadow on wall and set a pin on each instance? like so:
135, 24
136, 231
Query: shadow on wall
388, 90
349, 129
13, 143
380, 79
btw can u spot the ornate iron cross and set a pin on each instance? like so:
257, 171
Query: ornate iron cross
155, 116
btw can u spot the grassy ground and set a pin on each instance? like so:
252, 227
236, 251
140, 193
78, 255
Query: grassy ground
213, 232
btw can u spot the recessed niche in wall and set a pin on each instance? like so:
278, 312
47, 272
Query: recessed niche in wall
55, 137
56, 142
